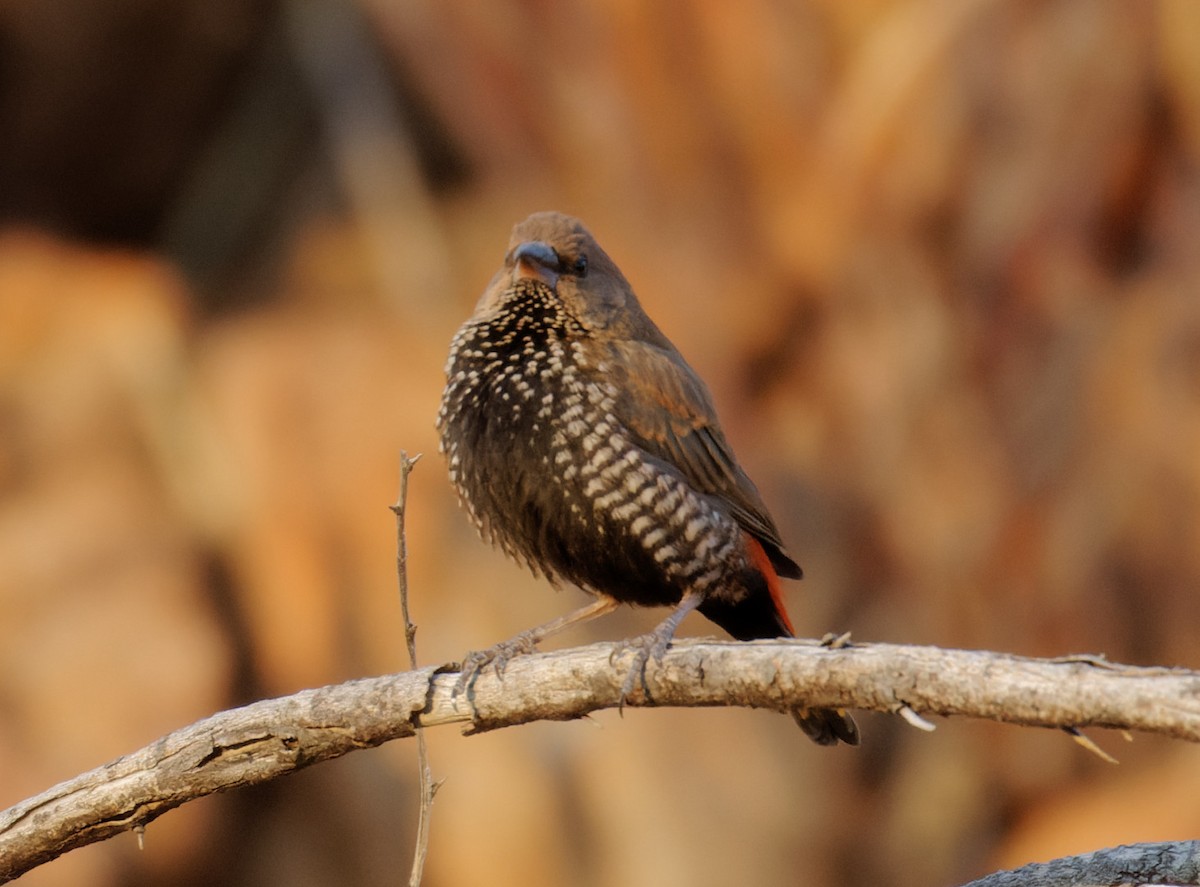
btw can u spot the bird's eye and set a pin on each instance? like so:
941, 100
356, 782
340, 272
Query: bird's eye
579, 269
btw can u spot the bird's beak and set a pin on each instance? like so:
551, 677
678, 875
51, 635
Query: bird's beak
536, 260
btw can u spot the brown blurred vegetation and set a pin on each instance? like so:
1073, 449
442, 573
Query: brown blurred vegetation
938, 261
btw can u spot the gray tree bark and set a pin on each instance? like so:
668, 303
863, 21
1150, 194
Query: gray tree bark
1173, 863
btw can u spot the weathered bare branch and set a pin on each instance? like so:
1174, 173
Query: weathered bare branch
267, 739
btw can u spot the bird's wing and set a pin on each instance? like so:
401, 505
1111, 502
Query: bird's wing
669, 412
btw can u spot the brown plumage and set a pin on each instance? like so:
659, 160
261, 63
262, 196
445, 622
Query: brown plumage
582, 444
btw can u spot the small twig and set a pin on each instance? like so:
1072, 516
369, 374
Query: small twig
428, 786
913, 719
1087, 743
410, 630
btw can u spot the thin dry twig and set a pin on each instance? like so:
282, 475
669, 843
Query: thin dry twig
1086, 742
428, 786
267, 739
913, 719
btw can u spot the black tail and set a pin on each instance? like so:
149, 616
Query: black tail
756, 617
752, 619
826, 726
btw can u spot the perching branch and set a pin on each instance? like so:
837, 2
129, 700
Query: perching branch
268, 739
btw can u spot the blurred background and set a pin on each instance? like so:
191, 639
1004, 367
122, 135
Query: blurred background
938, 261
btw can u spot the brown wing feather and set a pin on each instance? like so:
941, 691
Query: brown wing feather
670, 413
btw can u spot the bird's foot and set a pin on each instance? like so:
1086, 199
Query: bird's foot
497, 657
653, 645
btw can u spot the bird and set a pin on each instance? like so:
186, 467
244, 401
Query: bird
583, 445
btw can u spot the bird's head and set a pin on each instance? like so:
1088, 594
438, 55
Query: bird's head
557, 251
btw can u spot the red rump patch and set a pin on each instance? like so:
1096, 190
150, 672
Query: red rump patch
758, 557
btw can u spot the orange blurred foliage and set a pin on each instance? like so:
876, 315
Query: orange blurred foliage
936, 259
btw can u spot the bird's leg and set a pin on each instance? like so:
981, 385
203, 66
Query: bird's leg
655, 643
526, 642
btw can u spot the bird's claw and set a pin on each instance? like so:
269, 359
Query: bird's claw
653, 645
497, 657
